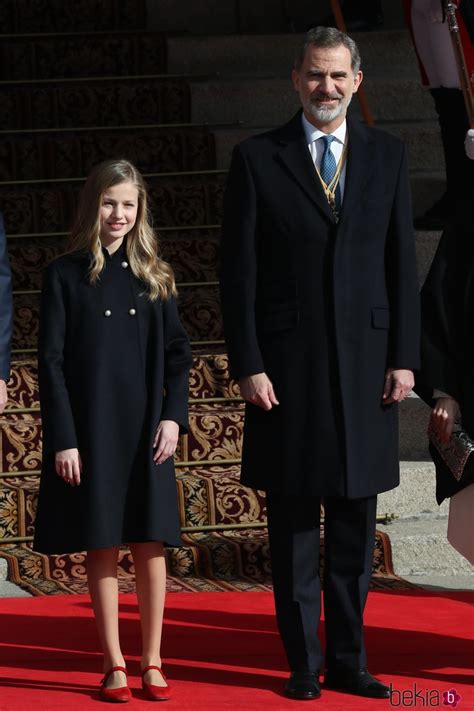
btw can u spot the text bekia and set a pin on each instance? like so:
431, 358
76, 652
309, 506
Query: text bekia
420, 698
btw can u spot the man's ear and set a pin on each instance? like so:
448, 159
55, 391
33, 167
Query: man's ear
358, 80
296, 80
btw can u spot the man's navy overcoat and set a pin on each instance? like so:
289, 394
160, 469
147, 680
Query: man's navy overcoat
322, 308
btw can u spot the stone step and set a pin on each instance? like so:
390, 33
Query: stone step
69, 154
415, 495
269, 101
198, 304
109, 101
440, 583
274, 53
423, 141
207, 496
82, 55
176, 199
18, 16
209, 378
205, 17
216, 560
215, 428
194, 199
230, 16
215, 435
8, 589
247, 16
193, 254
420, 547
413, 423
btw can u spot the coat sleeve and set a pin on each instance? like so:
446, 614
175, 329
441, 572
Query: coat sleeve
239, 269
59, 431
442, 309
402, 280
178, 360
6, 306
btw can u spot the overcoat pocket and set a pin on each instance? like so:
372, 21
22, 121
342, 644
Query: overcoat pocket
380, 317
279, 320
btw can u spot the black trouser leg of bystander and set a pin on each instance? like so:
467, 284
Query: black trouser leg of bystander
349, 544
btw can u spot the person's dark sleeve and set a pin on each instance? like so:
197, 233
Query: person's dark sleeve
442, 308
6, 306
57, 419
402, 279
239, 269
178, 360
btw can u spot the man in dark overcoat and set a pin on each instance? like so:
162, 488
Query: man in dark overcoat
6, 316
321, 316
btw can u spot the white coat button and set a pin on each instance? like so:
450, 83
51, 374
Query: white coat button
124, 265
132, 312
108, 313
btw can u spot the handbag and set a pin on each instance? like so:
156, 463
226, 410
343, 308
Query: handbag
456, 451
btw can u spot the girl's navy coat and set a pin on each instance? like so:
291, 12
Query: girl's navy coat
112, 364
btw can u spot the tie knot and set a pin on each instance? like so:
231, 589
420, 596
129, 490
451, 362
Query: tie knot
328, 140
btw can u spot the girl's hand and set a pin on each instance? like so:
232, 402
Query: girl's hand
69, 466
166, 440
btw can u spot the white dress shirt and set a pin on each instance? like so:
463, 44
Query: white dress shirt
316, 148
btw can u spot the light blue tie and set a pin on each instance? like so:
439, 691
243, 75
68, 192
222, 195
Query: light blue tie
329, 166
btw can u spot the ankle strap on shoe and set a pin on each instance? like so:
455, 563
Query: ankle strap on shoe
152, 666
111, 671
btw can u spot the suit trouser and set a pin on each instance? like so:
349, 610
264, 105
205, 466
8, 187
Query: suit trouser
294, 535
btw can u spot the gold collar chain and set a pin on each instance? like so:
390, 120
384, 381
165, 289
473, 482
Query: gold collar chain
330, 188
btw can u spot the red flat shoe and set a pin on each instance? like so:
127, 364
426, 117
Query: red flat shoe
120, 695
152, 692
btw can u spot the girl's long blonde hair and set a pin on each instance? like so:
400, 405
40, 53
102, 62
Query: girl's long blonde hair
142, 244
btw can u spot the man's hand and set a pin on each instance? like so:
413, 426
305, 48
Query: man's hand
398, 383
442, 417
3, 395
166, 440
69, 466
258, 390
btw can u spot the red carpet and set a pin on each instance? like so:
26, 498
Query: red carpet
222, 652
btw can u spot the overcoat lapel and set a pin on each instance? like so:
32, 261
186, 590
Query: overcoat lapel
296, 159
359, 167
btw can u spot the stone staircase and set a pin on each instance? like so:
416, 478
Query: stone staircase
176, 105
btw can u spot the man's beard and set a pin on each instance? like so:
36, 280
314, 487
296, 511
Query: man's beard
325, 114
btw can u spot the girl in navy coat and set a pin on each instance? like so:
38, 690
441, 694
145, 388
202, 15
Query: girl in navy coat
113, 372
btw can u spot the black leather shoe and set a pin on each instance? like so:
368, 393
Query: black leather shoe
303, 685
358, 682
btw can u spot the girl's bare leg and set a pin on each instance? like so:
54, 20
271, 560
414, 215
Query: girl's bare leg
150, 575
103, 589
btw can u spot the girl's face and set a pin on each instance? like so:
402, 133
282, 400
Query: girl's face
118, 212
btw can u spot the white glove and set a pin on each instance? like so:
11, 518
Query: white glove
469, 143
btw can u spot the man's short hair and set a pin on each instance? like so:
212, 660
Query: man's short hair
327, 37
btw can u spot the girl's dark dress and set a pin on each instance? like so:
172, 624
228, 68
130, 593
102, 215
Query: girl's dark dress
447, 339
112, 365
